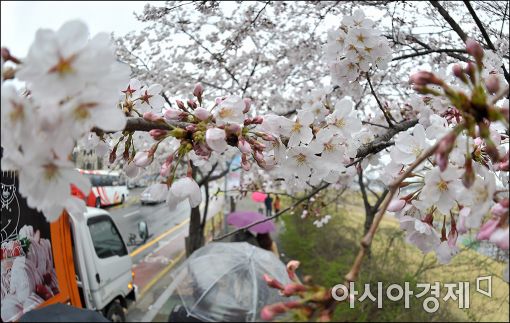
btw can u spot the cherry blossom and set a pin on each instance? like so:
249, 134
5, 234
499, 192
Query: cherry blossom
407, 148
184, 189
230, 110
441, 188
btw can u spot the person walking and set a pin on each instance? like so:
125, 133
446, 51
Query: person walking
269, 205
276, 204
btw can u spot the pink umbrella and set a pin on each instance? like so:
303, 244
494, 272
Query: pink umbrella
241, 219
258, 196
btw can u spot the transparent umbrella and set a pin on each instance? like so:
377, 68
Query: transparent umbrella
224, 282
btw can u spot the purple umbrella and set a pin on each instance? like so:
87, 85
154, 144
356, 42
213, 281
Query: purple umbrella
241, 219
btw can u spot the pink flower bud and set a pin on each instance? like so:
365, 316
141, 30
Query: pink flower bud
469, 175
459, 72
474, 49
247, 105
216, 139
158, 134
244, 146
202, 149
245, 163
198, 91
492, 83
180, 105
444, 149
273, 283
396, 205
143, 158
173, 114
201, 113
258, 120
151, 116
270, 311
258, 145
217, 101
191, 128
192, 104
293, 288
268, 137
291, 269
423, 78
471, 70
487, 229
259, 158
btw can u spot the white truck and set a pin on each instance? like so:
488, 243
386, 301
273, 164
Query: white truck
81, 261
103, 265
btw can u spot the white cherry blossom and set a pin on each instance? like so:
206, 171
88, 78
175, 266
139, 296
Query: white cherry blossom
184, 189
441, 188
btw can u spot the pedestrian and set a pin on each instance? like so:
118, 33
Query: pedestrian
269, 205
276, 204
265, 242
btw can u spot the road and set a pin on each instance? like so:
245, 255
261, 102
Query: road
153, 260
159, 219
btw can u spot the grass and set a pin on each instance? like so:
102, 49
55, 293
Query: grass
327, 253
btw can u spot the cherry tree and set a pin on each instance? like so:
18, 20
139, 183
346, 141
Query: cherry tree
314, 97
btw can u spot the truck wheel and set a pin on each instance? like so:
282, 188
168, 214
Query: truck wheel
98, 202
115, 312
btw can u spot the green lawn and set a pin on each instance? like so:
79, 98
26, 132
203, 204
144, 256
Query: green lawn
327, 253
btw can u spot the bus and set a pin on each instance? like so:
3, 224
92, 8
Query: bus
108, 188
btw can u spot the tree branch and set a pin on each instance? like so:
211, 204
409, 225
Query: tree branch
485, 35
385, 113
383, 140
307, 197
450, 20
393, 187
368, 207
140, 124
430, 51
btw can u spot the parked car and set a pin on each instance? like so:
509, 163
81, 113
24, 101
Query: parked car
148, 198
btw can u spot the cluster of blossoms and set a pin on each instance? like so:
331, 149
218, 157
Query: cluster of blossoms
77, 96
455, 191
68, 94
353, 49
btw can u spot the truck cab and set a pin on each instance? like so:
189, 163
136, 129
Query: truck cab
80, 260
102, 264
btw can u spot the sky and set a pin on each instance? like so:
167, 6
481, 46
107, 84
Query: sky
21, 19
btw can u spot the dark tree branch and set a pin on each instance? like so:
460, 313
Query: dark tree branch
384, 111
380, 199
368, 207
485, 35
450, 20
372, 148
166, 98
305, 198
427, 52
140, 124
374, 124
383, 140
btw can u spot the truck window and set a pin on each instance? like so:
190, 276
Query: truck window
106, 238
